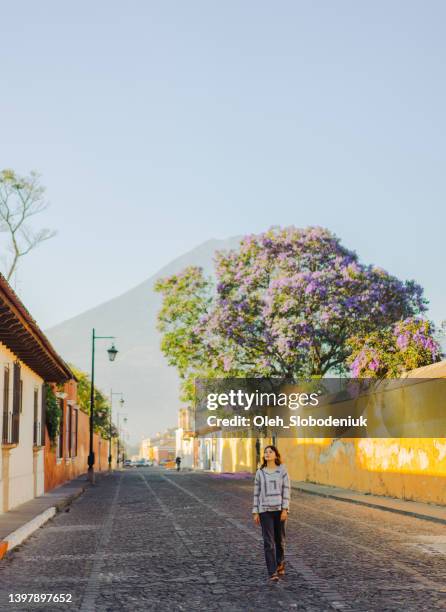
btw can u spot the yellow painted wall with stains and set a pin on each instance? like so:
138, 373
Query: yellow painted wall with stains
238, 455
406, 468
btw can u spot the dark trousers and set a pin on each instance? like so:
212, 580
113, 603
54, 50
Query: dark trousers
273, 532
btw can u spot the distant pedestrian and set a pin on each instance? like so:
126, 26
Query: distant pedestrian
270, 509
178, 462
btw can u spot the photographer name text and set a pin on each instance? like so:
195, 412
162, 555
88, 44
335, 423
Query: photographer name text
293, 421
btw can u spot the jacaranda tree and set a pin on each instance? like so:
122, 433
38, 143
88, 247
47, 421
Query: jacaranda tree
389, 352
286, 303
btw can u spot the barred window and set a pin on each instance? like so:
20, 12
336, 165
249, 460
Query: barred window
43, 417
37, 436
16, 403
6, 427
60, 438
75, 426
70, 429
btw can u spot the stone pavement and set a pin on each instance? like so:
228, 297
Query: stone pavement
148, 539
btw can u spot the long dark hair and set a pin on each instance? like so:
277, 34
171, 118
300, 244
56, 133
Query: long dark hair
277, 460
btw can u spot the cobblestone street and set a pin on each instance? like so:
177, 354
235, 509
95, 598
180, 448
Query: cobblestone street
148, 539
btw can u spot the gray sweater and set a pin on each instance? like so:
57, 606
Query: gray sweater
271, 490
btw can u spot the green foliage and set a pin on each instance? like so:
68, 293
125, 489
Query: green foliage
186, 299
101, 404
53, 413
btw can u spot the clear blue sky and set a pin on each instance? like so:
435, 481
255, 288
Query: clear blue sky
158, 125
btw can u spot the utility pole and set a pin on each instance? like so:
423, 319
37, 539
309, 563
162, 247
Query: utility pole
121, 401
112, 352
119, 433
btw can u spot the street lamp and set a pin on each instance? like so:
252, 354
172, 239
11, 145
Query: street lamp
112, 352
121, 401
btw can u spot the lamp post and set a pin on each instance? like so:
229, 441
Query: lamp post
121, 401
112, 352
125, 438
120, 414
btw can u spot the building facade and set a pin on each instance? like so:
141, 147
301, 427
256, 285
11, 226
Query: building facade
159, 448
27, 361
185, 444
66, 457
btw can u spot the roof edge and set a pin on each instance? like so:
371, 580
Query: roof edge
19, 309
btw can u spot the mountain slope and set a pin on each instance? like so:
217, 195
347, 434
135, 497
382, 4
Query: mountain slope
140, 371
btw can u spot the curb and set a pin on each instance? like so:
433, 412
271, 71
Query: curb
22, 533
63, 503
16, 537
370, 504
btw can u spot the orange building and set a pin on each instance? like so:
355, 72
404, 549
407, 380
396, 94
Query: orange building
67, 457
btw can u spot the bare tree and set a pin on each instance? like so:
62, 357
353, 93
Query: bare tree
21, 197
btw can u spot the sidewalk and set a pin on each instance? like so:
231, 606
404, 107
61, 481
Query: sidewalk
428, 512
19, 523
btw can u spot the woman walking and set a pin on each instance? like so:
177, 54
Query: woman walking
270, 509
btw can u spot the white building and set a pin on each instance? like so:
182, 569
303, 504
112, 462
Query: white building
210, 452
27, 360
184, 439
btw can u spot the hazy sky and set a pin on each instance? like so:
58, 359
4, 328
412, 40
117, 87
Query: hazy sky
158, 125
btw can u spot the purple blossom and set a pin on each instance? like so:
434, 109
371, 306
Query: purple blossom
227, 363
288, 291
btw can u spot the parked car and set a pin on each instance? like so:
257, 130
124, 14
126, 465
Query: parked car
127, 463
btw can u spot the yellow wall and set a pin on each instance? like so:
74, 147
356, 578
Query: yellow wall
406, 468
238, 454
